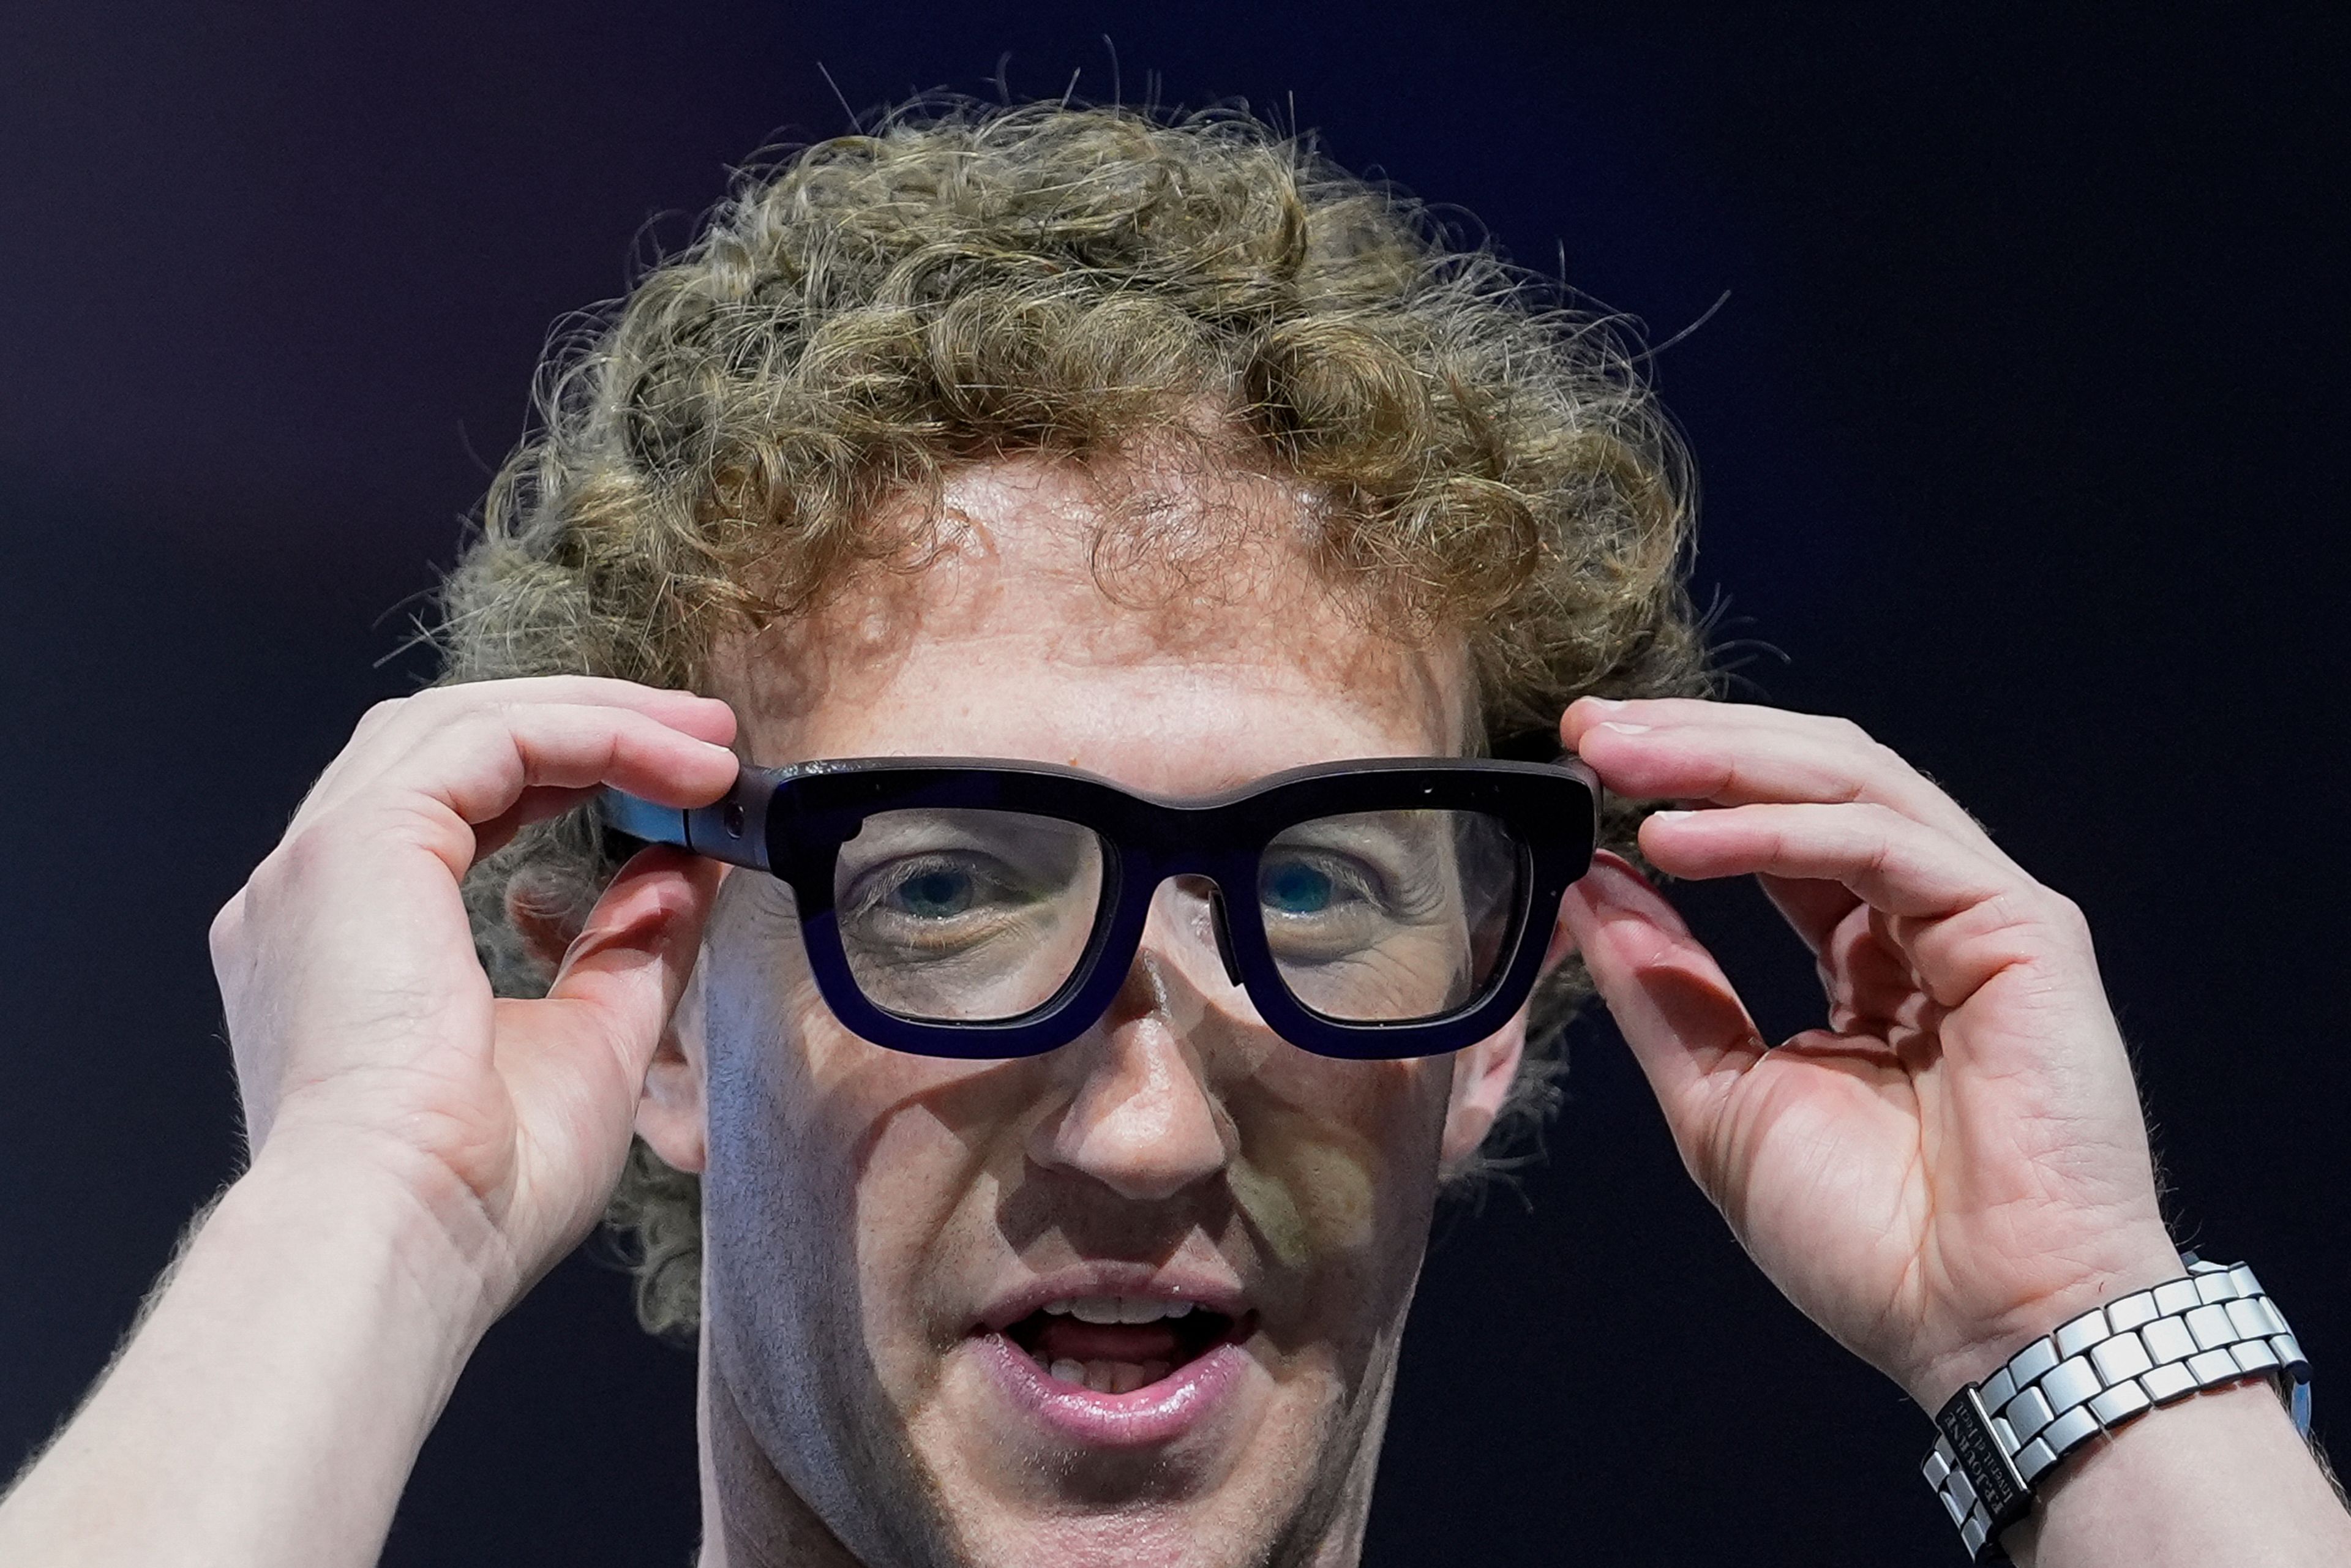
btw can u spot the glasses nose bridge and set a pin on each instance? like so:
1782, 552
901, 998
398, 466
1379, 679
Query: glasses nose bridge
1165, 863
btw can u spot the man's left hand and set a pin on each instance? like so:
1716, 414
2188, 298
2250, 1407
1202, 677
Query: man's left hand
1958, 1161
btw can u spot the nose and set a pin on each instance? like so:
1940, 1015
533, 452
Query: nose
1141, 1117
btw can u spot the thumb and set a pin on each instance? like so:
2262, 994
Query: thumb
1670, 1000
624, 974
574, 1063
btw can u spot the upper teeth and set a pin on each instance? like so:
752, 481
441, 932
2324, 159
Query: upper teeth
1117, 1309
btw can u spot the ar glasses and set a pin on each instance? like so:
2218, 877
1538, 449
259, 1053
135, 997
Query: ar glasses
983, 909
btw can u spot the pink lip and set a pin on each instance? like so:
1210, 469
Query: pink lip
1161, 1413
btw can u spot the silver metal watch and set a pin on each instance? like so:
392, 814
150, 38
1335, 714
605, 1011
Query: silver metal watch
2000, 1437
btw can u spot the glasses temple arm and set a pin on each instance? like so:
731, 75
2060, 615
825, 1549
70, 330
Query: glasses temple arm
733, 828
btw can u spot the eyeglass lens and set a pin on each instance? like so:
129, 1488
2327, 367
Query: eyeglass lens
1389, 917
953, 915
956, 915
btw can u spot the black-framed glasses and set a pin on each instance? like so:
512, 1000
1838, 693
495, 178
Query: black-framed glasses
978, 908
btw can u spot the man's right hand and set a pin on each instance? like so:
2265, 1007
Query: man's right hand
421, 1150
369, 1047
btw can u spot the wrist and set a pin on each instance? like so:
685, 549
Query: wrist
2000, 1440
1977, 1349
2184, 1488
376, 1214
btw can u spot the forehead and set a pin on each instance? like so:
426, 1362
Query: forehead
1162, 621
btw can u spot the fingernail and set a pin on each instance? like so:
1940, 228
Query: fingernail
1608, 704
1621, 728
1675, 814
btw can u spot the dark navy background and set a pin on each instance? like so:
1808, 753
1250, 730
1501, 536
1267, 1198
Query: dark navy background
2021, 431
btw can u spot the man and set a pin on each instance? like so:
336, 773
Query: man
1127, 466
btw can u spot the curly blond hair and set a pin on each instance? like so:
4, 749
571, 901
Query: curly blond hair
713, 453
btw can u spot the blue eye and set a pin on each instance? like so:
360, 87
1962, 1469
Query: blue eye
938, 894
1295, 888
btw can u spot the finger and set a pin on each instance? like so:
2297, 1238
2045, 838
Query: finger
1891, 862
1961, 919
1731, 753
1585, 712
1812, 908
1869, 983
537, 803
392, 729
478, 768
393, 724
1863, 976
1687, 1027
704, 716
579, 1056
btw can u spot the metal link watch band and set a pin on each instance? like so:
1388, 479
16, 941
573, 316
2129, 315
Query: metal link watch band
2215, 1326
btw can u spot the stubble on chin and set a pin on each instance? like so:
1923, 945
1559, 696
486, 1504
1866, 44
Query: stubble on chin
866, 1498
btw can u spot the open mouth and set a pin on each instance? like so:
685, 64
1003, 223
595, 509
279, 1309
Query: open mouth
1117, 1344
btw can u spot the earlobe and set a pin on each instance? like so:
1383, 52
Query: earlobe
670, 1109
1482, 1076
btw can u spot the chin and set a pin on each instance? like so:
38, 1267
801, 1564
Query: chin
1196, 1455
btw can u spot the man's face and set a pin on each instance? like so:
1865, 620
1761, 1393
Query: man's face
1138, 1298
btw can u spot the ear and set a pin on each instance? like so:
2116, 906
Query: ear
548, 915
670, 1110
1482, 1076
1484, 1072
